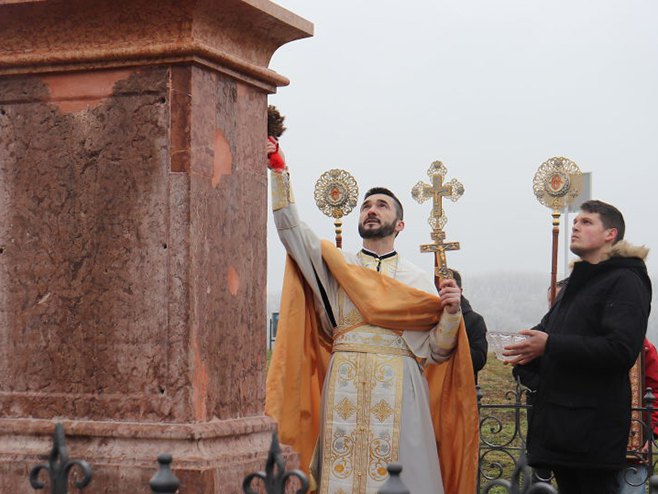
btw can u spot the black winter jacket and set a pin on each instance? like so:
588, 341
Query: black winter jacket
476, 330
582, 407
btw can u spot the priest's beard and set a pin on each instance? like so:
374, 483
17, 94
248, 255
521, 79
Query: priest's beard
384, 230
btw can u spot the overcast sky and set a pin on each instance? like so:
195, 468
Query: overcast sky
492, 89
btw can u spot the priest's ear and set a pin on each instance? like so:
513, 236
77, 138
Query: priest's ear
399, 226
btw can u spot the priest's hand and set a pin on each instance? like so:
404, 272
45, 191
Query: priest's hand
276, 161
527, 350
451, 296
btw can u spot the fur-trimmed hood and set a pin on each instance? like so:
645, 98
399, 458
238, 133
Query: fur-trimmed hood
623, 248
622, 254
626, 249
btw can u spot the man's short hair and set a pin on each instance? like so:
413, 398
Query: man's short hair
611, 217
383, 190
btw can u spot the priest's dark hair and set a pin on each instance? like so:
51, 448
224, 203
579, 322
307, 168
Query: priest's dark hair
611, 217
383, 190
275, 120
456, 275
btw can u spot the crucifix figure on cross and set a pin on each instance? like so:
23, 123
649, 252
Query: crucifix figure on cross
452, 190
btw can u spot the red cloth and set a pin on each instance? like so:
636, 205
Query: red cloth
651, 378
276, 161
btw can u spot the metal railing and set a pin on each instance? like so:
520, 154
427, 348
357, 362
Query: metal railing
502, 462
503, 428
275, 478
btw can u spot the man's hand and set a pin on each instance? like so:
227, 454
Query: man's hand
529, 349
451, 295
275, 159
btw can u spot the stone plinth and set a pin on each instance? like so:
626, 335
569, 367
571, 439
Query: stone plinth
133, 207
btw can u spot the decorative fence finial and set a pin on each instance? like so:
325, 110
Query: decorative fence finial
275, 483
59, 466
394, 484
164, 480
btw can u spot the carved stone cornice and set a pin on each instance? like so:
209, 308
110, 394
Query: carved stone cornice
237, 37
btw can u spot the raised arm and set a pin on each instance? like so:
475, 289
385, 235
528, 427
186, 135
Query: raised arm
299, 240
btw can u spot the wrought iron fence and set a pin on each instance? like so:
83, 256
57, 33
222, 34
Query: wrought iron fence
275, 478
503, 428
60, 467
502, 462
502, 438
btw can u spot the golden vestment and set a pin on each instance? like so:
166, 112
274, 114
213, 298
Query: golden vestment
301, 359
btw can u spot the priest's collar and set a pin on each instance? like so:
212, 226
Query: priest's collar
377, 256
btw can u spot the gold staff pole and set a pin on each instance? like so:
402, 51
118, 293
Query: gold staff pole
556, 184
421, 192
336, 193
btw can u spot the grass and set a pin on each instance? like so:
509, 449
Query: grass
495, 379
497, 386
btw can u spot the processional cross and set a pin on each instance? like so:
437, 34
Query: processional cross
452, 190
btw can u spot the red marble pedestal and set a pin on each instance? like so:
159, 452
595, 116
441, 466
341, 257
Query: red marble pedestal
133, 207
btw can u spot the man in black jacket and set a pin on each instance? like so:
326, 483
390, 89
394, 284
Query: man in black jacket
581, 353
476, 330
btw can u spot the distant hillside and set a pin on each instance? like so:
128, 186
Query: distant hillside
512, 301
507, 301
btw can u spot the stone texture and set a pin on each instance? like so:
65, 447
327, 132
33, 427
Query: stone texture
84, 236
133, 207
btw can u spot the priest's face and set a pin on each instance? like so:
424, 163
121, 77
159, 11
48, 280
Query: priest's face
378, 217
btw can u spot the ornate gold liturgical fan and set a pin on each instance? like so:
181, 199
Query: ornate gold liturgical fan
556, 184
336, 193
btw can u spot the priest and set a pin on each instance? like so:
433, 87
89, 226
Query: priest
370, 366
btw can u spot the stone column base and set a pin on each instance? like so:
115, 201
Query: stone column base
208, 458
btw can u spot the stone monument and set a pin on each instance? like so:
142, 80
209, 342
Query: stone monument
133, 206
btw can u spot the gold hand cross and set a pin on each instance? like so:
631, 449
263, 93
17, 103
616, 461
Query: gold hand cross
452, 190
